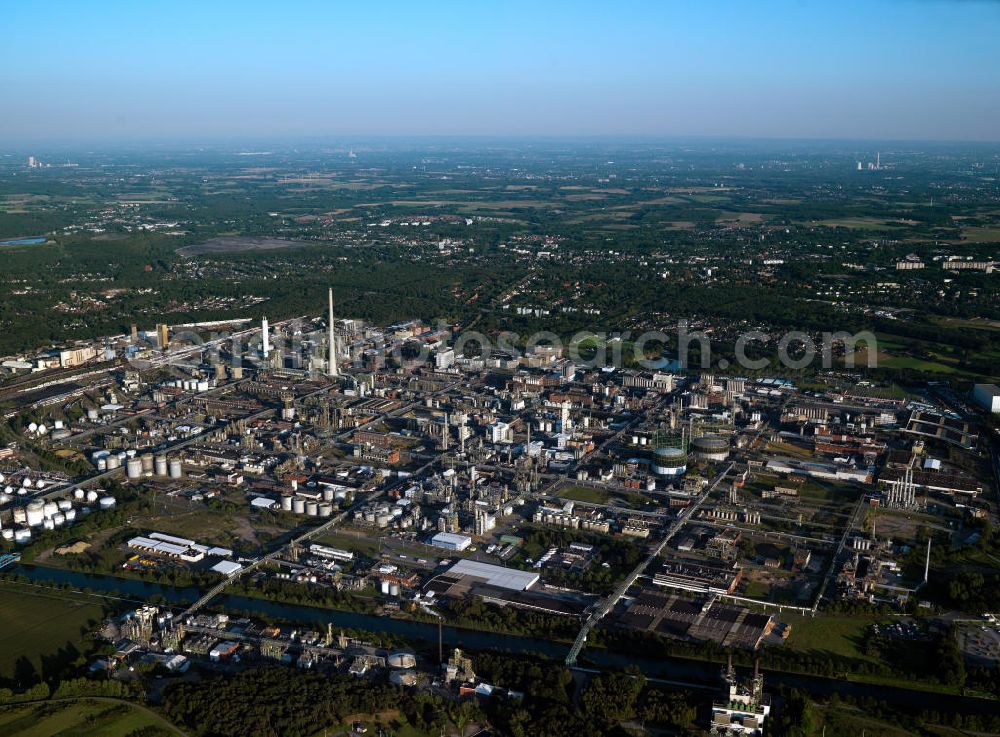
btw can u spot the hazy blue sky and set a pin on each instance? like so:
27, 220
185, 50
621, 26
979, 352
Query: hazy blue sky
865, 69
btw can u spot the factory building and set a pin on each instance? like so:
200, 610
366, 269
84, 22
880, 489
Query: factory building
451, 541
497, 576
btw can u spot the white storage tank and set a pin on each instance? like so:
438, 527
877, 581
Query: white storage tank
102, 464
299, 505
58, 519
20, 516
175, 469
112, 462
50, 508
7, 533
106, 502
35, 514
394, 589
65, 504
133, 469
78, 494
160, 465
48, 524
385, 587
22, 535
312, 509
91, 496
286, 503
70, 515
325, 510
40, 484
147, 462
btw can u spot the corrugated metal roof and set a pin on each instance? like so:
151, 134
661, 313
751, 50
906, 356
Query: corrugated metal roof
505, 578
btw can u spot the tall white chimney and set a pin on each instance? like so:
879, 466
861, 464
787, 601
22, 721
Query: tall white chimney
265, 338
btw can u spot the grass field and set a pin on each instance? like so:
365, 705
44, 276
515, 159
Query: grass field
585, 494
846, 721
79, 717
841, 635
37, 626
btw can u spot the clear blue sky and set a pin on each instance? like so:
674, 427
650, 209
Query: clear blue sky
212, 69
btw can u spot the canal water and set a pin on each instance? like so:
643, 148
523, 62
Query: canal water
681, 671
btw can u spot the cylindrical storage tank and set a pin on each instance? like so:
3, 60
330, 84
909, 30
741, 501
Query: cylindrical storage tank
710, 448
102, 464
5, 498
299, 505
401, 660
383, 520
65, 504
385, 587
147, 462
20, 516
133, 469
50, 508
58, 519
92, 414
40, 484
394, 589
22, 535
325, 510
70, 515
106, 502
327, 494
35, 514
175, 469
203, 386
25, 483
91, 496
286, 504
669, 462
160, 465
312, 509
78, 494
48, 524
112, 462
7, 533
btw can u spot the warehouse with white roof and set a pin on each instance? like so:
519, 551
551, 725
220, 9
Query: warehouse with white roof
503, 578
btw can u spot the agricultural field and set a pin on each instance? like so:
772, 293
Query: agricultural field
82, 718
42, 631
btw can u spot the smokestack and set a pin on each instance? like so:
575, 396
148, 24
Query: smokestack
927, 563
265, 338
332, 369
